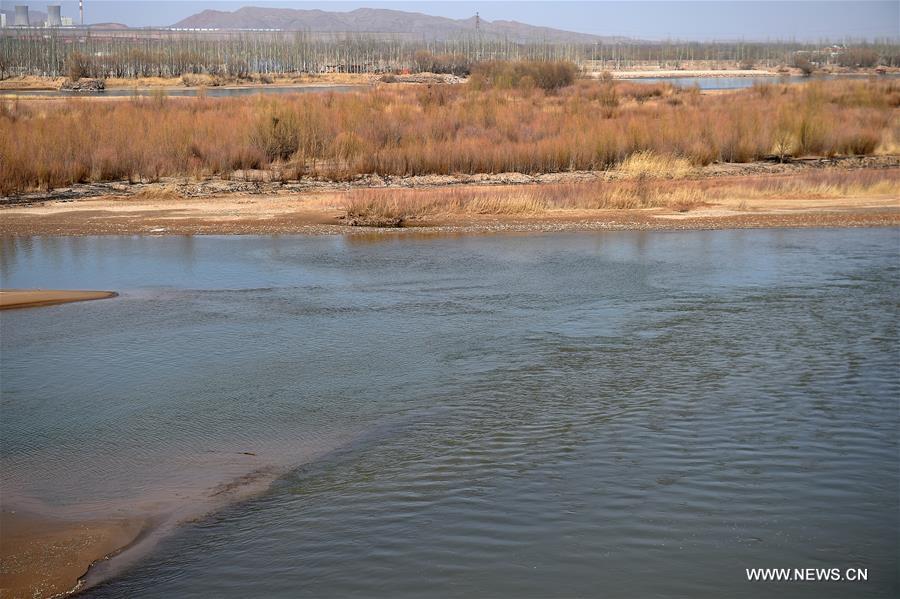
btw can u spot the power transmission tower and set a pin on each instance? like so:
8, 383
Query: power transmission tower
478, 50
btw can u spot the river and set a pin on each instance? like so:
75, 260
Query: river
618, 414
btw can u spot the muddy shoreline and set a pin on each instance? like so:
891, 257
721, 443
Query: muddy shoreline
304, 223
268, 181
256, 203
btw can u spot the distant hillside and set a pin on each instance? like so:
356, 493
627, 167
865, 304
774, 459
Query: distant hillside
108, 26
382, 21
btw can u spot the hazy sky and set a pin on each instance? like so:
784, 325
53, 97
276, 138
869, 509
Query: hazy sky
699, 20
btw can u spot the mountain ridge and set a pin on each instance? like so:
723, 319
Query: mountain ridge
381, 20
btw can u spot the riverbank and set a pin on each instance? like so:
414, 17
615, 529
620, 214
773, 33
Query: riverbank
840, 198
31, 298
43, 556
37, 83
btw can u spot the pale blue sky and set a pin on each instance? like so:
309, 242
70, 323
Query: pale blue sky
697, 20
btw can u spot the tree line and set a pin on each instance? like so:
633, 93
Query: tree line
164, 53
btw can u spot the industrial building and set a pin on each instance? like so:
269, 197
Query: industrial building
54, 18
21, 16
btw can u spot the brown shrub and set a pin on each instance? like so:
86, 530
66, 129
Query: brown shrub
454, 64
78, 65
549, 76
399, 131
397, 207
277, 132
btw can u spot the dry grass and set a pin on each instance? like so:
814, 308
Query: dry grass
157, 194
400, 205
591, 125
653, 166
814, 186
394, 207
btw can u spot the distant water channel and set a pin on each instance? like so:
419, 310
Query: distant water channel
625, 414
706, 83
212, 92
714, 83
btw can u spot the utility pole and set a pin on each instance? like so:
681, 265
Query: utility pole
478, 35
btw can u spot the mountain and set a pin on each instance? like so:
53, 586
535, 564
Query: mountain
381, 21
108, 26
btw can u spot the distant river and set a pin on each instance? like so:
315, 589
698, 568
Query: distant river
622, 414
212, 92
712, 83
707, 83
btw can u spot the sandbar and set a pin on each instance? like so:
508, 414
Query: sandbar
32, 298
44, 556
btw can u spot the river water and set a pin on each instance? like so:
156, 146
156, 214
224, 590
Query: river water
714, 83
706, 83
212, 92
623, 414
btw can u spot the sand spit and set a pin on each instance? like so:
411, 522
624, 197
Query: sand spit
32, 298
286, 216
44, 556
838, 192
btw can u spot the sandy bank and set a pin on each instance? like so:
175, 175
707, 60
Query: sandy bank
33, 82
43, 556
31, 298
255, 203
320, 213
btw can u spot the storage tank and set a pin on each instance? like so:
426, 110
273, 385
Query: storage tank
54, 18
21, 16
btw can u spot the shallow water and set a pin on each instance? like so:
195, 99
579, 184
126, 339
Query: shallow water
711, 83
616, 414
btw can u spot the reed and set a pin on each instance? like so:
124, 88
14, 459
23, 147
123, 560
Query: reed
402, 131
394, 207
647, 164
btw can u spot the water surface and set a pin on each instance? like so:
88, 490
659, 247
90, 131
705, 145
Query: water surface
617, 414
707, 83
212, 92
712, 83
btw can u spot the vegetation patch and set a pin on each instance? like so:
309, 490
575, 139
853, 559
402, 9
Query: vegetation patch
396, 207
650, 165
441, 130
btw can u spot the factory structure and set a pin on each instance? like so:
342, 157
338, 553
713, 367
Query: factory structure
21, 19
54, 17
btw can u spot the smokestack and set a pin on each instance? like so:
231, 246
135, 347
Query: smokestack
21, 16
81, 11
54, 18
